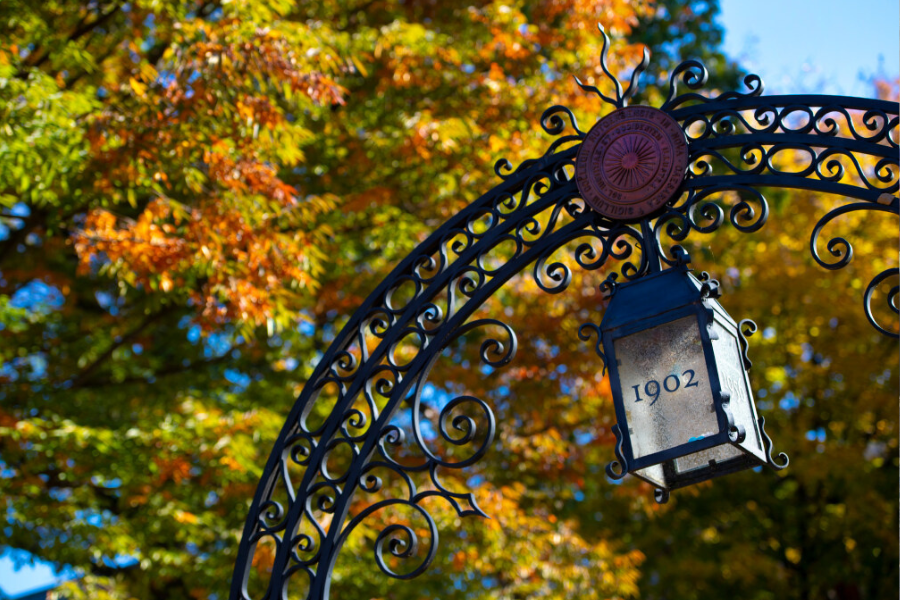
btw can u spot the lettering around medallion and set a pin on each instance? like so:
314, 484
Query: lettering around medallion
631, 163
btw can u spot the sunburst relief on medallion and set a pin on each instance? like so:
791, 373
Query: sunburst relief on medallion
631, 161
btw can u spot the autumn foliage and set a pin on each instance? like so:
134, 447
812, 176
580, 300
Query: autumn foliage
195, 194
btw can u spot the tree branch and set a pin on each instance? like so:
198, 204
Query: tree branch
163, 372
88, 27
86, 372
82, 28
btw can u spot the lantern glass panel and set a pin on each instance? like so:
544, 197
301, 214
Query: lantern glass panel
733, 379
654, 475
701, 459
665, 387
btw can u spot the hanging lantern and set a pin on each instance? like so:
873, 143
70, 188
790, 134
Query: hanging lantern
678, 372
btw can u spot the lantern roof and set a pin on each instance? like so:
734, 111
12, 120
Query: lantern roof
654, 294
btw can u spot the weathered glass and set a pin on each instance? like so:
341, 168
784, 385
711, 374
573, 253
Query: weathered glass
665, 387
733, 379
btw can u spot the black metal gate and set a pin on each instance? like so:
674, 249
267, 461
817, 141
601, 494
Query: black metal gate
732, 140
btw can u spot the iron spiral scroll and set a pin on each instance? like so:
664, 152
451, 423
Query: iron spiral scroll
302, 506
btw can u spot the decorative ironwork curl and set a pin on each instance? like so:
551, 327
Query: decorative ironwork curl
838, 247
618, 468
824, 165
710, 287
701, 212
552, 123
694, 75
608, 286
769, 116
783, 459
891, 299
400, 539
586, 332
746, 328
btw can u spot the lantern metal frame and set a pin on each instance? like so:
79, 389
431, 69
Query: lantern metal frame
693, 297
304, 510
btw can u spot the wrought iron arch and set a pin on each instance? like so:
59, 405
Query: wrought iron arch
733, 138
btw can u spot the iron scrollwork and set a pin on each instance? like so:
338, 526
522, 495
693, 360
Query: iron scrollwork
378, 365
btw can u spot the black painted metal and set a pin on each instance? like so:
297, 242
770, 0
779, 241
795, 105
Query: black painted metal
535, 211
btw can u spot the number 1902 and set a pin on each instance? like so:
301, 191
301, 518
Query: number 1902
670, 384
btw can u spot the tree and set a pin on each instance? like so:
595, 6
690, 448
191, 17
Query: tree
195, 194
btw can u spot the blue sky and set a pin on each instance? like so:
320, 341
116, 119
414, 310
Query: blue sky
19, 576
814, 46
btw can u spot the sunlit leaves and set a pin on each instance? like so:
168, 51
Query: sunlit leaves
195, 195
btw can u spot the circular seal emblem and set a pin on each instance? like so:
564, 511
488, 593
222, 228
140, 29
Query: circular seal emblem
631, 163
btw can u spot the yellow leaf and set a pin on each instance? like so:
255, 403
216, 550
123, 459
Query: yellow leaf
185, 517
139, 88
359, 66
148, 72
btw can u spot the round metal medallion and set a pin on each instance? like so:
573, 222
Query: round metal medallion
631, 163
